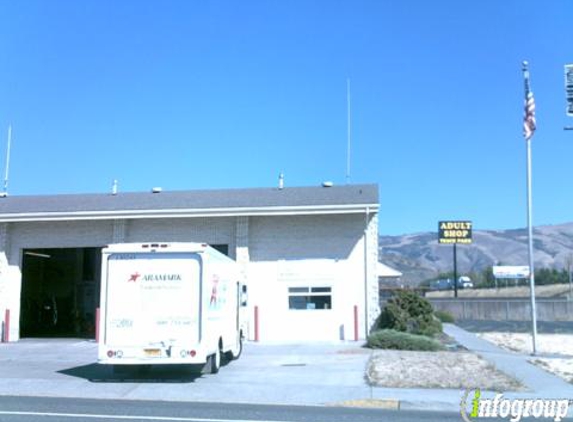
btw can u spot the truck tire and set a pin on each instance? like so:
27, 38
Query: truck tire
240, 351
215, 362
235, 353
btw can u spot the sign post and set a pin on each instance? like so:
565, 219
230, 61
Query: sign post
454, 232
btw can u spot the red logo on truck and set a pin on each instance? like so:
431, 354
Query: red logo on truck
134, 277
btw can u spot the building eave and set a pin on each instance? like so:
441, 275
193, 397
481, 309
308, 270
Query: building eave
188, 213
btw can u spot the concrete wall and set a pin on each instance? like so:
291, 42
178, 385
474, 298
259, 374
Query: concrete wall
506, 310
319, 251
274, 253
56, 234
215, 231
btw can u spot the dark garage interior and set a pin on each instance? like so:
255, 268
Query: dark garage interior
60, 292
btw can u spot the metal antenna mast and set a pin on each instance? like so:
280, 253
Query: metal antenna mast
348, 131
7, 160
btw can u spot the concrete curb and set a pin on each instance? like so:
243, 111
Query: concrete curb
389, 404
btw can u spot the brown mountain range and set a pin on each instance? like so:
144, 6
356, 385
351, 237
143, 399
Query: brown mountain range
420, 257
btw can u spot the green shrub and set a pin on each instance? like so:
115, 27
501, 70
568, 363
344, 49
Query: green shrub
410, 313
445, 316
397, 340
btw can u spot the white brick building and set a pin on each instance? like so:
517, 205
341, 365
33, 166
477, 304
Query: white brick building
308, 255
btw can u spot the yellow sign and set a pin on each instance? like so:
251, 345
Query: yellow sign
455, 232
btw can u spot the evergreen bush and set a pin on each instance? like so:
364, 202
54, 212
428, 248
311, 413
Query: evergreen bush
445, 316
410, 313
397, 340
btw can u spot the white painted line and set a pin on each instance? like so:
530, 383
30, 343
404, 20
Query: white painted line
124, 417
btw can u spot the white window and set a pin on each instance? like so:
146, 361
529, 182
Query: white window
312, 298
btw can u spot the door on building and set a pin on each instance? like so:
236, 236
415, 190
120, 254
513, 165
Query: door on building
60, 292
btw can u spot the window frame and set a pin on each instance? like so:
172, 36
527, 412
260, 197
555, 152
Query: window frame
321, 294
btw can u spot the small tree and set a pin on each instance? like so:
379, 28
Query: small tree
487, 278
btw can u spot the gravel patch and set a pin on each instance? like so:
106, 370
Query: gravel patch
456, 370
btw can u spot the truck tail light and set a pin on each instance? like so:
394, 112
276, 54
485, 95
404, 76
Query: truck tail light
114, 353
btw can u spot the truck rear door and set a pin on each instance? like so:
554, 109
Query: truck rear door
153, 297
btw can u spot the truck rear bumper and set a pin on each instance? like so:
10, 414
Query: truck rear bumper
118, 355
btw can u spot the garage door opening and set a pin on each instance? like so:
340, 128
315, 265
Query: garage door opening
60, 292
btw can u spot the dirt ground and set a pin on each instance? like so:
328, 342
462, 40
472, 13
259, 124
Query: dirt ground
459, 370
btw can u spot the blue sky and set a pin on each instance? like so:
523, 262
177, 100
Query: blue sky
227, 94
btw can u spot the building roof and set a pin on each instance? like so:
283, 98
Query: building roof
384, 270
196, 203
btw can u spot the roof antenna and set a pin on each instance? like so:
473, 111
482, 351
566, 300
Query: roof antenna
281, 181
5, 191
114, 187
348, 133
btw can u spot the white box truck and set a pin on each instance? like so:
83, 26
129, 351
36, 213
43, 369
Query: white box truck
169, 303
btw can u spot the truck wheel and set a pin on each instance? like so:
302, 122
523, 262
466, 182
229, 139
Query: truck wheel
238, 354
215, 362
234, 354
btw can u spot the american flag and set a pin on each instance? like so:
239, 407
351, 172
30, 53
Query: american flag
529, 124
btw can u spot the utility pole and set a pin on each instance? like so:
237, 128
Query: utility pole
569, 262
455, 271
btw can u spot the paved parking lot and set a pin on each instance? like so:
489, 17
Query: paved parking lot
265, 373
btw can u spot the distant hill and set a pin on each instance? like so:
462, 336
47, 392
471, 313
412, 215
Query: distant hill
419, 256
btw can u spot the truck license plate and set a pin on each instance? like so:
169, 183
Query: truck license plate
152, 353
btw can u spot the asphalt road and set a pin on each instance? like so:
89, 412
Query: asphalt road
36, 409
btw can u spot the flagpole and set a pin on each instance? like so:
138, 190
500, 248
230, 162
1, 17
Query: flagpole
529, 128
